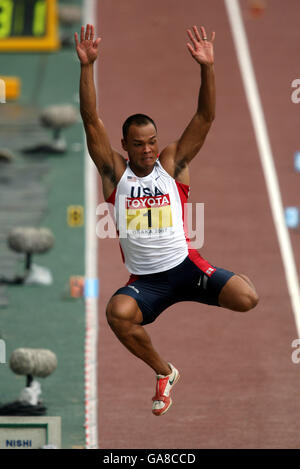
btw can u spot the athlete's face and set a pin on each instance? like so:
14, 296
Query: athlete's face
142, 148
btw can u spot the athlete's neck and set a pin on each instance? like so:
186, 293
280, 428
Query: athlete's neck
140, 172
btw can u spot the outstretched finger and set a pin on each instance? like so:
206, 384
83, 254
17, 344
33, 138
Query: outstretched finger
76, 39
97, 42
92, 33
203, 32
190, 48
82, 34
87, 32
213, 35
196, 33
192, 37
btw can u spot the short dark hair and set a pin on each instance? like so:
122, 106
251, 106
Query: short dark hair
136, 119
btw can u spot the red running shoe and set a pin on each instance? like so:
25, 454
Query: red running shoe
162, 400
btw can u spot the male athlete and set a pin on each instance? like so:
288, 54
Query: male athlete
153, 189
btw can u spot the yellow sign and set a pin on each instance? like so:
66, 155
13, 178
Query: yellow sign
9, 88
28, 25
75, 215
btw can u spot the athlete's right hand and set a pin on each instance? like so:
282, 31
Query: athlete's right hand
87, 48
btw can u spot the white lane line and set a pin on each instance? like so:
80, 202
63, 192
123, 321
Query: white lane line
265, 153
91, 280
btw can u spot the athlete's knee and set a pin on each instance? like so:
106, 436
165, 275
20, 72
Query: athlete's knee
250, 296
239, 294
115, 311
241, 301
248, 301
122, 311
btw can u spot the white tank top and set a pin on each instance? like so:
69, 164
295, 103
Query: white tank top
149, 219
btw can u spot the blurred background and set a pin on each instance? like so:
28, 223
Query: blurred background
42, 187
239, 386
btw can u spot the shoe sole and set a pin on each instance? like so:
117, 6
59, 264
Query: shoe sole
171, 402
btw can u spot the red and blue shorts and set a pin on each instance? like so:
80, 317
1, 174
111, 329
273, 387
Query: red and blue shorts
192, 280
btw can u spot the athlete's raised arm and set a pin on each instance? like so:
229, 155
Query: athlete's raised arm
176, 156
110, 164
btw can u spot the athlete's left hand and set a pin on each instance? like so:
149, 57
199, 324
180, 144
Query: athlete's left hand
203, 51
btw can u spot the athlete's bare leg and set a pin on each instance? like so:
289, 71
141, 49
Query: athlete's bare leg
124, 318
238, 294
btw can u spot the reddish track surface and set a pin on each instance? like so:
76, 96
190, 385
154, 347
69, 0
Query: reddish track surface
238, 387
